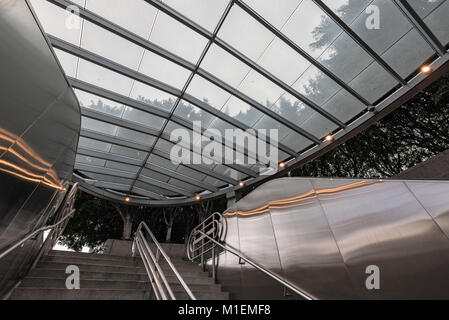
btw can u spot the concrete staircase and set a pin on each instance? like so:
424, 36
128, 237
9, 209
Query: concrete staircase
109, 277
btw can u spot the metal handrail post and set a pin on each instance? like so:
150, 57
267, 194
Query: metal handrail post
148, 256
276, 277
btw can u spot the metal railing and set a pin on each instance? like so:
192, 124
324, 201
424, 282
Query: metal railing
159, 283
211, 233
63, 215
198, 246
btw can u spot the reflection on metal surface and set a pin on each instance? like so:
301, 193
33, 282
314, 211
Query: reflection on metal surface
322, 234
43, 167
39, 126
298, 200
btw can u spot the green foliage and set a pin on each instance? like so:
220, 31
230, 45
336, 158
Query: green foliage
94, 221
414, 132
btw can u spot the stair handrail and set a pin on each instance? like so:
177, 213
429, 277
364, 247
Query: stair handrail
159, 283
66, 206
214, 225
273, 275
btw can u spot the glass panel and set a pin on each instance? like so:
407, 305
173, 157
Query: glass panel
161, 162
157, 190
110, 80
152, 96
104, 78
110, 46
283, 62
98, 126
108, 178
242, 111
268, 123
121, 166
229, 172
94, 102
215, 182
276, 12
135, 136
190, 173
93, 144
224, 66
54, 19
90, 160
424, 7
245, 34
208, 92
143, 118
177, 38
192, 113
299, 113
133, 15
344, 106
163, 70
398, 28
154, 175
408, 54
68, 62
295, 142
204, 12
317, 30
184, 185
348, 10
316, 86
261, 89
373, 82
112, 148
128, 152
438, 21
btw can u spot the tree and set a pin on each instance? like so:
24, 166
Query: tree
416, 131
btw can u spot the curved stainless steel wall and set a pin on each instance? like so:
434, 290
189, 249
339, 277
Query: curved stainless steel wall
321, 234
39, 126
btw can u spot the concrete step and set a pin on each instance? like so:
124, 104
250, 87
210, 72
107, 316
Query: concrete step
196, 288
39, 282
60, 274
84, 267
137, 262
92, 275
91, 267
81, 294
84, 255
134, 262
203, 295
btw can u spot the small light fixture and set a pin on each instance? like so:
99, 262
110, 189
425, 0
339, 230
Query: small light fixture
127, 199
197, 197
241, 184
426, 69
329, 138
371, 108
282, 165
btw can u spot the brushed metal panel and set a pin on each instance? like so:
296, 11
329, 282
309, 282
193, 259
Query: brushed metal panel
256, 232
382, 224
434, 197
39, 126
307, 247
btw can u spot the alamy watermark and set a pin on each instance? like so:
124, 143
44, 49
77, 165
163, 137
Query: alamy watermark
209, 147
373, 19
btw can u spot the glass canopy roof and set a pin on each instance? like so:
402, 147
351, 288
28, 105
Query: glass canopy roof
309, 68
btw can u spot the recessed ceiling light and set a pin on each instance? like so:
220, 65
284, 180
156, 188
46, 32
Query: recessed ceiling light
426, 69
